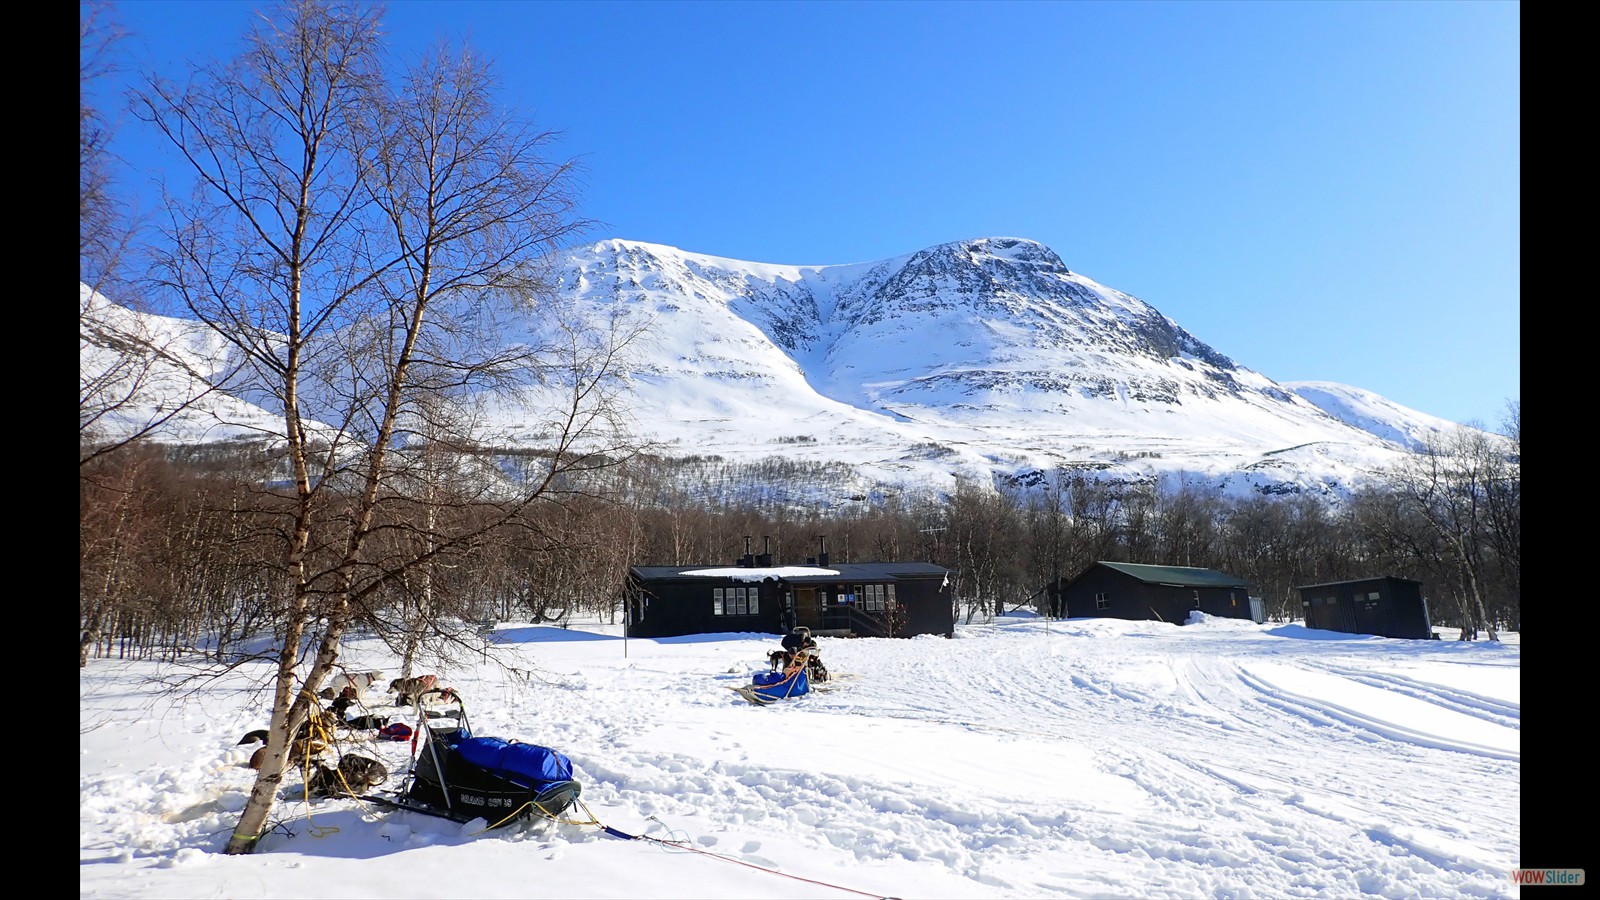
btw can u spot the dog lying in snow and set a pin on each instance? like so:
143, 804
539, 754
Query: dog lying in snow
353, 775
366, 722
341, 708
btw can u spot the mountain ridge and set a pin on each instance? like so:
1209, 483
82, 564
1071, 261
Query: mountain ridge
986, 358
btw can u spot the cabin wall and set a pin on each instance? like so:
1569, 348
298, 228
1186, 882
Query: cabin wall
1129, 598
1125, 597
1388, 607
679, 608
1226, 603
927, 605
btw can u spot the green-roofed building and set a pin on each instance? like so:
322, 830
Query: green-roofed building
1120, 590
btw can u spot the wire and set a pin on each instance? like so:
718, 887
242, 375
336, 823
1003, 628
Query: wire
683, 844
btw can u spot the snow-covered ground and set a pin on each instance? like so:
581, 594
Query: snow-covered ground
1024, 758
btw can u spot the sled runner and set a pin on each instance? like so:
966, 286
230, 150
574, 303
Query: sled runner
462, 777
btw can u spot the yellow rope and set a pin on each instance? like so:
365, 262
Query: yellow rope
317, 731
314, 733
542, 811
577, 800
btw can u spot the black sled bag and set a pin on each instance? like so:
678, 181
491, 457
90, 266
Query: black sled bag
498, 780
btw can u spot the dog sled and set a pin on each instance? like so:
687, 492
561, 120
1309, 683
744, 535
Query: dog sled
460, 776
792, 680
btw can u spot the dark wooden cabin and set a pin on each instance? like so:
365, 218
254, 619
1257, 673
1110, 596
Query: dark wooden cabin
871, 599
1119, 590
1384, 606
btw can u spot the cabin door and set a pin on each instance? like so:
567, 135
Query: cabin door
807, 608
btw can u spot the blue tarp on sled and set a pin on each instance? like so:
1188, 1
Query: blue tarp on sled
514, 760
777, 686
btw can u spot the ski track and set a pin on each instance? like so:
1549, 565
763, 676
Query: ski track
1490, 709
1260, 722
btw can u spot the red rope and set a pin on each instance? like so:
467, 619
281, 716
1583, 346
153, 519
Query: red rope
682, 846
644, 837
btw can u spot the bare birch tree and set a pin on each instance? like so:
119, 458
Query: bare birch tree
1505, 515
269, 252
1451, 483
358, 236
104, 226
470, 201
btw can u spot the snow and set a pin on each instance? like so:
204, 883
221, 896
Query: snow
1023, 758
760, 573
1370, 412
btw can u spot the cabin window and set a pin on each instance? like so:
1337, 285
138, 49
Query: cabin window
872, 598
1102, 600
1374, 595
735, 601
888, 598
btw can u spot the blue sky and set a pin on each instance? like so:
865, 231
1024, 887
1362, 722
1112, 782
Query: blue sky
1322, 191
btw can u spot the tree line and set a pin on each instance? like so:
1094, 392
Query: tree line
179, 551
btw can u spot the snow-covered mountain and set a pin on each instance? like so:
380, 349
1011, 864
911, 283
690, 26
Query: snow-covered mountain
1370, 412
984, 358
135, 368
